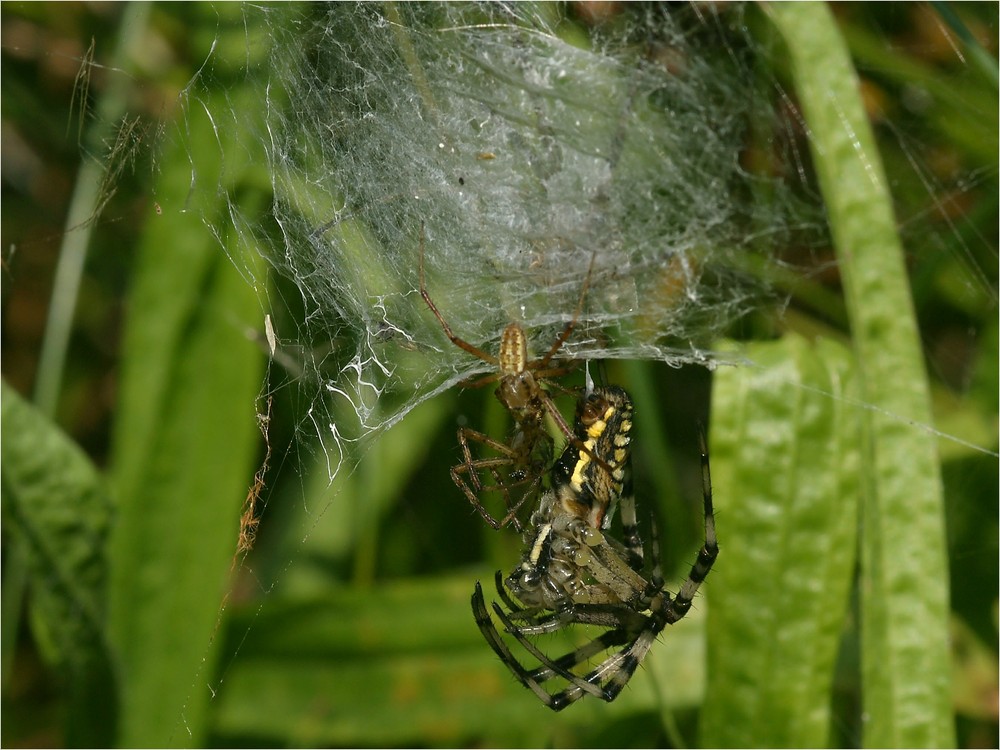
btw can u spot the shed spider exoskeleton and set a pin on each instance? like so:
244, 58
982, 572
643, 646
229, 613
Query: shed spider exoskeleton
572, 572
528, 454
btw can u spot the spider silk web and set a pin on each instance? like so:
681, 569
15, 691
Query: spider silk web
526, 151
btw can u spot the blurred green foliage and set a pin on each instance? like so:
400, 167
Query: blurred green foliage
134, 621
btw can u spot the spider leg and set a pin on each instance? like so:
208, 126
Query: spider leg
624, 624
539, 624
514, 506
472, 467
573, 391
447, 329
615, 671
681, 603
605, 681
630, 529
558, 701
554, 372
513, 606
656, 582
568, 330
496, 642
600, 615
473, 382
556, 415
601, 643
471, 495
466, 434
618, 669
584, 653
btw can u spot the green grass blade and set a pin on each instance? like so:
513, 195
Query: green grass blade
89, 194
184, 449
905, 660
190, 379
785, 474
186, 433
57, 512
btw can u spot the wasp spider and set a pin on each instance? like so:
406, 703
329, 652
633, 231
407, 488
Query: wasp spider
574, 572
520, 464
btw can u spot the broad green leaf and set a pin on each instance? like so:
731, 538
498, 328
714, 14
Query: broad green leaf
784, 451
57, 511
904, 589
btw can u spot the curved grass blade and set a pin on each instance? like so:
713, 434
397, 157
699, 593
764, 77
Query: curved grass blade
904, 587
